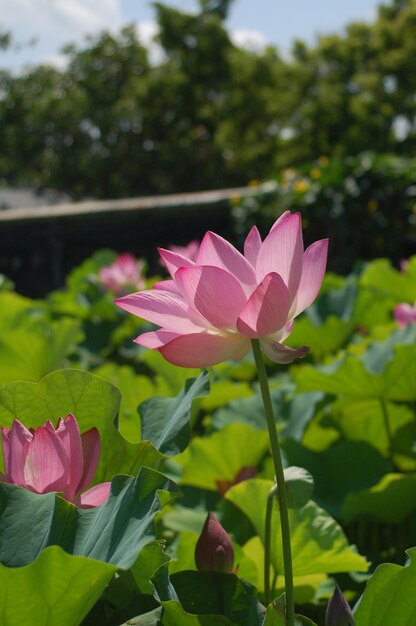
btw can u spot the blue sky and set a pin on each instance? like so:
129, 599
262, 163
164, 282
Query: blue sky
53, 23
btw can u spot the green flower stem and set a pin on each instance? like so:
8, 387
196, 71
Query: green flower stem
280, 480
267, 542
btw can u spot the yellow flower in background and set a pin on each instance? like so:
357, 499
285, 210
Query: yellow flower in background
315, 173
300, 186
323, 160
235, 200
253, 183
372, 206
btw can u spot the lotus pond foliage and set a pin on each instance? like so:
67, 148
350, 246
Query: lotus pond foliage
188, 532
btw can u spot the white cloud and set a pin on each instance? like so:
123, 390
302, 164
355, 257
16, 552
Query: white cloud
53, 23
65, 18
146, 32
251, 40
59, 61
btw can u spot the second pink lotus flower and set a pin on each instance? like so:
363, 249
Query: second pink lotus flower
49, 459
215, 305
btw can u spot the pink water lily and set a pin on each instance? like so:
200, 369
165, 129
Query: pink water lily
123, 275
48, 459
212, 307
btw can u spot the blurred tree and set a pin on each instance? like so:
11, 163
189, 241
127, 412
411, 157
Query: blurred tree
355, 91
208, 113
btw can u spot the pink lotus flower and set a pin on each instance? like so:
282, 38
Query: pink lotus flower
213, 307
214, 551
405, 314
190, 251
49, 459
123, 275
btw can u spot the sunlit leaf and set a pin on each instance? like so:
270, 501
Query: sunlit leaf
389, 598
318, 543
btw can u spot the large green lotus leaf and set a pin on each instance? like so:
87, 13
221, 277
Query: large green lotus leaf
150, 560
337, 298
93, 401
305, 587
224, 391
295, 410
389, 598
363, 420
56, 588
323, 339
215, 593
352, 376
15, 311
319, 545
390, 501
134, 389
30, 352
165, 421
221, 456
175, 615
114, 532
344, 468
380, 275
124, 596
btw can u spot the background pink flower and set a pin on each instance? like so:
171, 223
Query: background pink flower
405, 314
123, 275
212, 307
190, 251
49, 459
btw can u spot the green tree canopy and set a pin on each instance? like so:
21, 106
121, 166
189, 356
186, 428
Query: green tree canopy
208, 114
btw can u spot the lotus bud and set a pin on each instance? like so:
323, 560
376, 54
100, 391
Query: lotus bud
338, 612
214, 550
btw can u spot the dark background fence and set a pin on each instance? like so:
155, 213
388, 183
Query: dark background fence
40, 245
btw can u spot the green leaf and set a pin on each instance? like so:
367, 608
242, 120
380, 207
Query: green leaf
318, 543
221, 456
30, 352
175, 615
153, 618
352, 376
114, 532
390, 501
93, 401
294, 410
389, 598
165, 421
134, 389
305, 586
224, 391
210, 593
345, 467
326, 338
150, 560
380, 275
56, 588
275, 616
299, 486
